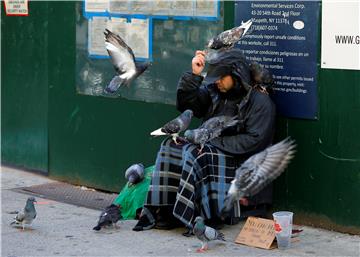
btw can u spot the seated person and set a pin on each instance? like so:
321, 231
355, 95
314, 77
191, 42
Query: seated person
186, 183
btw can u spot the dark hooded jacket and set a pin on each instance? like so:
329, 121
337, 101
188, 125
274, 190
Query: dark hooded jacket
255, 110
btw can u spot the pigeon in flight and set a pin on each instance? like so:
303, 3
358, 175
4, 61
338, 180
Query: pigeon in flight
174, 127
209, 130
205, 233
258, 171
227, 39
109, 216
123, 60
26, 216
135, 173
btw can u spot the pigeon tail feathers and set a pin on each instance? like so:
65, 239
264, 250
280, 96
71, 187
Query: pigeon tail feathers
114, 84
158, 132
246, 25
220, 236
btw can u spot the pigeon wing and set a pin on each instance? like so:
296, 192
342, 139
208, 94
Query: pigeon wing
20, 217
172, 126
210, 233
264, 167
201, 136
224, 123
121, 54
113, 211
104, 218
229, 37
219, 121
213, 234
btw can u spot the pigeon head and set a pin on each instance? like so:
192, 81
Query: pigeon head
141, 67
188, 114
31, 200
133, 178
189, 135
199, 220
29, 206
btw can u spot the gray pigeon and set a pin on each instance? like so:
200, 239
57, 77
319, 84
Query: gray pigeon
258, 171
123, 60
209, 130
109, 216
175, 126
205, 233
135, 173
26, 216
229, 38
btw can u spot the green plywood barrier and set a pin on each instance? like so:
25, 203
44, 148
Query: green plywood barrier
325, 175
24, 88
91, 140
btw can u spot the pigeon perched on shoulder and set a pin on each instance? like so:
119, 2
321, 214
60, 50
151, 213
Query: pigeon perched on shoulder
109, 216
262, 78
205, 233
227, 39
175, 126
135, 173
26, 216
123, 60
258, 171
209, 130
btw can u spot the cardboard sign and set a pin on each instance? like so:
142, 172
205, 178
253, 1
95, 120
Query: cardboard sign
257, 232
16, 7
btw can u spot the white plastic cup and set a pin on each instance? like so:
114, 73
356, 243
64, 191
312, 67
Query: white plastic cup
283, 228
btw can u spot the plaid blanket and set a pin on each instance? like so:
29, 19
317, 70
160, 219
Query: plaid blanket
194, 183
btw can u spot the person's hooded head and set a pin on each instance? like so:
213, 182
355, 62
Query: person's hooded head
226, 67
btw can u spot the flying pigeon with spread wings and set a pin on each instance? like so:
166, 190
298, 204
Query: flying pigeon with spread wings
123, 59
258, 171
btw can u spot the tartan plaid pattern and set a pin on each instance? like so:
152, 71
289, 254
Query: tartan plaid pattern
194, 183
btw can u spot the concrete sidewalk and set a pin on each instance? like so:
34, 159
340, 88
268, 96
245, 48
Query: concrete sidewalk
66, 230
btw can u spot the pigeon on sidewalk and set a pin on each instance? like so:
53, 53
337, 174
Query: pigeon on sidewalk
27, 216
175, 126
109, 216
258, 171
123, 59
205, 233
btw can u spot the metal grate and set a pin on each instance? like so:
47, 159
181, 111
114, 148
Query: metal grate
70, 194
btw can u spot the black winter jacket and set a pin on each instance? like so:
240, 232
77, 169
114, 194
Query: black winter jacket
256, 113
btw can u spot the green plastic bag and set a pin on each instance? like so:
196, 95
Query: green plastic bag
132, 197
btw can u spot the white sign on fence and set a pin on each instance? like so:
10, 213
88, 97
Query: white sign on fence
16, 7
340, 36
